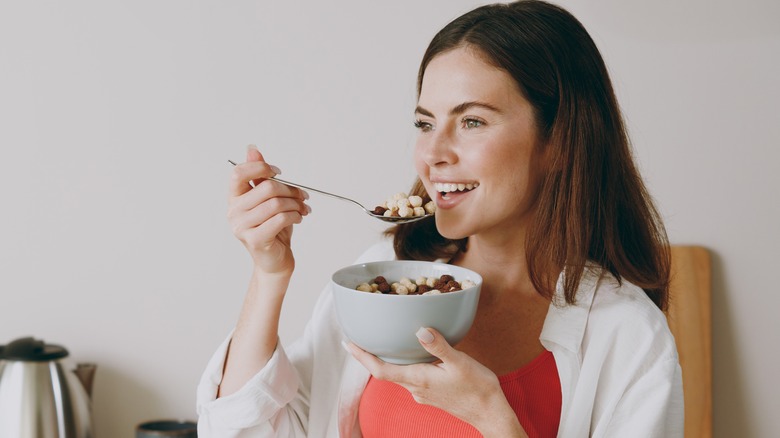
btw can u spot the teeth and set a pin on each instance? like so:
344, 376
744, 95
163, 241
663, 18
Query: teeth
452, 187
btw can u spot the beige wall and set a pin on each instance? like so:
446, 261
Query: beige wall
117, 118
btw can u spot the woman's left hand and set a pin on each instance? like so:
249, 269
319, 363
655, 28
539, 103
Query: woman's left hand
458, 384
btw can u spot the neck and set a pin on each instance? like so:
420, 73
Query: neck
501, 262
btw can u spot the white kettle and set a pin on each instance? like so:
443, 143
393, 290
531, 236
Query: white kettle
38, 398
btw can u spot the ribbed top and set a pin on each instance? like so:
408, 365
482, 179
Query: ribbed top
387, 410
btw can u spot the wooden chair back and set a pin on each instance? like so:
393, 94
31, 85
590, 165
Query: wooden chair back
690, 320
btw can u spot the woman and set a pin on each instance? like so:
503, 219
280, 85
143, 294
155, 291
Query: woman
569, 337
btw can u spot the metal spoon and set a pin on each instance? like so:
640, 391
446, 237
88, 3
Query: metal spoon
392, 219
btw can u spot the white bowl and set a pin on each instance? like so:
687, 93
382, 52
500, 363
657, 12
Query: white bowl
385, 325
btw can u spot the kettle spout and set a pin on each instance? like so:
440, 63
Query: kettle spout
86, 374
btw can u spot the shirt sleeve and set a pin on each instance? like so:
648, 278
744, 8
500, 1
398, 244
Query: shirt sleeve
255, 410
630, 367
276, 402
652, 406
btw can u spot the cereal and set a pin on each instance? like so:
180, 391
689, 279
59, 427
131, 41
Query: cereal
465, 284
402, 206
420, 286
381, 285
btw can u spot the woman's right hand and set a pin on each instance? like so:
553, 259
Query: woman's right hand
262, 217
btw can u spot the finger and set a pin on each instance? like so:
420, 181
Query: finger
264, 191
252, 171
252, 154
265, 211
369, 361
434, 343
377, 367
264, 235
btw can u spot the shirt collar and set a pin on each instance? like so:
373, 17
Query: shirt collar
565, 323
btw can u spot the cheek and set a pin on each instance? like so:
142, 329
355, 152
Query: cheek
526, 178
419, 163
510, 175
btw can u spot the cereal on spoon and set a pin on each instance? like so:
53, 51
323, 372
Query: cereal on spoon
401, 205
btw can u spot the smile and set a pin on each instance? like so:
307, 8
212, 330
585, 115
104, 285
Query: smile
454, 187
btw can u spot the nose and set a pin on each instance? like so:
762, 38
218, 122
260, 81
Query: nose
436, 148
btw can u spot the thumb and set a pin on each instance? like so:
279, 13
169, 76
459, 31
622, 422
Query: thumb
252, 154
434, 343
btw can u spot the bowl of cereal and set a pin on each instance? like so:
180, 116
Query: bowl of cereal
381, 305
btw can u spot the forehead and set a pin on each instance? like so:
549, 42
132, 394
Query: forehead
462, 75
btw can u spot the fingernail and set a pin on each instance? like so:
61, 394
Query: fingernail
276, 170
346, 347
305, 194
424, 335
308, 209
251, 147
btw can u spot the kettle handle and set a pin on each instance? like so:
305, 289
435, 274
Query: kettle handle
86, 374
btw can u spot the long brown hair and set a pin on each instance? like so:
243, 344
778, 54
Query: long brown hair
593, 205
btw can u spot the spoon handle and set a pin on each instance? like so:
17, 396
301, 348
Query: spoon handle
332, 195
301, 186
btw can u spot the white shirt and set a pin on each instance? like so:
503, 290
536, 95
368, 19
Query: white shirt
616, 359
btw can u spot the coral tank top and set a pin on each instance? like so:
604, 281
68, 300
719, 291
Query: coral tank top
534, 392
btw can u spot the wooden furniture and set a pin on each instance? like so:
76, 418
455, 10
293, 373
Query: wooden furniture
690, 320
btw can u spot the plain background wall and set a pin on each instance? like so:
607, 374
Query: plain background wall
117, 118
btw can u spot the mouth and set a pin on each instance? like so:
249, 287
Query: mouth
447, 189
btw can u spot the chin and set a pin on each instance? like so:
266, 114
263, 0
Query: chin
450, 230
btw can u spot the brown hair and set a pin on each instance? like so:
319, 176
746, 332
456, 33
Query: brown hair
593, 206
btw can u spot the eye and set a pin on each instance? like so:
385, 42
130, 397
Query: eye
471, 123
423, 126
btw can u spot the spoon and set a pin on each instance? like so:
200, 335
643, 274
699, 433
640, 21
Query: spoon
392, 219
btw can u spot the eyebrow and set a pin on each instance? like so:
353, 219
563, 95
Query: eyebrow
459, 109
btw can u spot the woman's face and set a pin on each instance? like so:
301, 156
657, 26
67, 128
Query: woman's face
477, 152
